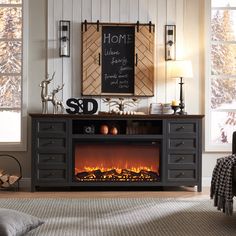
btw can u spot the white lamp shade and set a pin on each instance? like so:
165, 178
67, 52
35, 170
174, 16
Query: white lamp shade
180, 69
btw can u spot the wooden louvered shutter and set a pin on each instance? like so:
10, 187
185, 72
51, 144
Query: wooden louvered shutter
144, 70
91, 70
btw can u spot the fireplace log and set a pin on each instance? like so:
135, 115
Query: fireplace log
97, 173
2, 172
4, 178
82, 175
113, 175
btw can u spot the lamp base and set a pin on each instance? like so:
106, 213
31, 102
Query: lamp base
182, 113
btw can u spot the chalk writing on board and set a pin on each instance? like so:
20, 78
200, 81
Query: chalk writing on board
118, 59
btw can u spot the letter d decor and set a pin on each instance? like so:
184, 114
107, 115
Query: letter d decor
86, 106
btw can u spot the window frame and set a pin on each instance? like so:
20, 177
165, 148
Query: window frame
209, 146
22, 145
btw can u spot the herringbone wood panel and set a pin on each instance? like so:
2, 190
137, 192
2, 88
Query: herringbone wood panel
90, 58
144, 71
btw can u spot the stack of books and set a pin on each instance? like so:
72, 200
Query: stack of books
155, 108
159, 108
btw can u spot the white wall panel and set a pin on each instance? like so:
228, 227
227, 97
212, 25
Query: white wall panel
143, 11
124, 10
191, 45
57, 64
160, 12
105, 10
115, 11
133, 11
96, 10
170, 82
160, 47
50, 34
86, 10
171, 11
152, 16
180, 29
67, 6
76, 48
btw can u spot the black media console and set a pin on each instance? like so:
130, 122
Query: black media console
148, 150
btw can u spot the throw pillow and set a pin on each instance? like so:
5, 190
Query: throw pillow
15, 223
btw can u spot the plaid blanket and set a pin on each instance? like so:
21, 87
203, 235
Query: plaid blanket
221, 184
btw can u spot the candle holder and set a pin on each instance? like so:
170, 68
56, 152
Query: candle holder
175, 108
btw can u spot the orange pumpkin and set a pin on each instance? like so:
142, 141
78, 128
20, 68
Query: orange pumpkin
104, 129
113, 130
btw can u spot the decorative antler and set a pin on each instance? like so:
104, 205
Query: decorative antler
45, 97
49, 80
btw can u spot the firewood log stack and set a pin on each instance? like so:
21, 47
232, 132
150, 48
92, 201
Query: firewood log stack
7, 180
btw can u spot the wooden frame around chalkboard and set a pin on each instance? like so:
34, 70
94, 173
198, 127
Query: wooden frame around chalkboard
92, 59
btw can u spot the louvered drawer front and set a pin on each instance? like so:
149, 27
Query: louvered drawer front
181, 159
180, 144
180, 128
51, 127
51, 143
58, 175
51, 158
181, 174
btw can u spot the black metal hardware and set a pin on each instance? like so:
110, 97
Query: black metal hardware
137, 26
136, 59
97, 25
85, 25
150, 26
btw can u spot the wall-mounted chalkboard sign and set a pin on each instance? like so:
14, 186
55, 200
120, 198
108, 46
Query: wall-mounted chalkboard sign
118, 45
117, 59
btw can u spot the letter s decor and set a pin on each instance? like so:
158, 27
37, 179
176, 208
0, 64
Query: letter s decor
81, 106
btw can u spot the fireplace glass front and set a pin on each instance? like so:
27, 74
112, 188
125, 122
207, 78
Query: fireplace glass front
126, 161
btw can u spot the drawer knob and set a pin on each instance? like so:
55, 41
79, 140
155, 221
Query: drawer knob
180, 174
51, 126
180, 128
50, 174
180, 143
180, 159
53, 158
52, 142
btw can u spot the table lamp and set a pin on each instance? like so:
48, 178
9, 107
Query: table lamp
181, 69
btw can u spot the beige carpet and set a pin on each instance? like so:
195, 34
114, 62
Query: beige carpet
126, 217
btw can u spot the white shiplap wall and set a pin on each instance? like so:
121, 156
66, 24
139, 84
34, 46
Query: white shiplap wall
160, 12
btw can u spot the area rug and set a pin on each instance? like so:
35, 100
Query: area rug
126, 216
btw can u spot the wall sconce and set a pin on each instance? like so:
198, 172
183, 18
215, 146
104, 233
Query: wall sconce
64, 38
170, 42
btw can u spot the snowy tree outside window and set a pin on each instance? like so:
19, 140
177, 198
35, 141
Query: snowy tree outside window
10, 70
222, 73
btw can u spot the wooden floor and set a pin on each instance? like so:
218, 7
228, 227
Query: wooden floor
166, 193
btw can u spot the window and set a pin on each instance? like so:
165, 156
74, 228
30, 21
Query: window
221, 75
11, 72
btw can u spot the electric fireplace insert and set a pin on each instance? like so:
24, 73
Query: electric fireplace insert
117, 161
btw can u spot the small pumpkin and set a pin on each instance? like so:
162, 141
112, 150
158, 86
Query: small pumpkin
104, 129
113, 130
